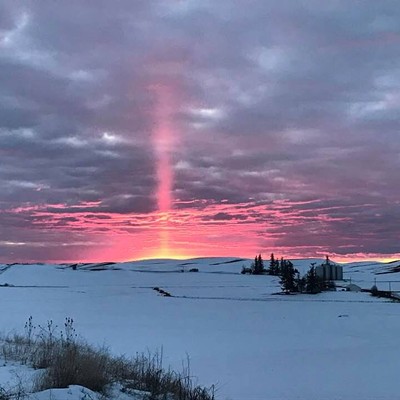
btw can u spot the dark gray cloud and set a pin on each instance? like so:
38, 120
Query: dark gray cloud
273, 100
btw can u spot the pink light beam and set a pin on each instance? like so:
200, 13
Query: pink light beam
163, 137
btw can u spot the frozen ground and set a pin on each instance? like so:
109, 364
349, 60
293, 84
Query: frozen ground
240, 335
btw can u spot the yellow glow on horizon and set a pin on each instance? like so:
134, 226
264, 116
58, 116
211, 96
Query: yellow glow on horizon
165, 255
365, 259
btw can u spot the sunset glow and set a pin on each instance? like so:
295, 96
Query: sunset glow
195, 129
163, 143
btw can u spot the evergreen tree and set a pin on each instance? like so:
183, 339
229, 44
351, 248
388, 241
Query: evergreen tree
287, 274
254, 266
272, 269
313, 282
255, 270
260, 264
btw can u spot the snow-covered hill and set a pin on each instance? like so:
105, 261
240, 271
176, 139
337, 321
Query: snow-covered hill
240, 335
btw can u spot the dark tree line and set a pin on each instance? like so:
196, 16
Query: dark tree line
256, 268
290, 279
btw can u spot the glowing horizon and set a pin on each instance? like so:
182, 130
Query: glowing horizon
164, 131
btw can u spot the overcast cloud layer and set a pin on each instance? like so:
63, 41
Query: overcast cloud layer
282, 121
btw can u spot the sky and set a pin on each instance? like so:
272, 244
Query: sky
188, 128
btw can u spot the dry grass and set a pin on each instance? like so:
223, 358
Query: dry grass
77, 364
66, 360
3, 394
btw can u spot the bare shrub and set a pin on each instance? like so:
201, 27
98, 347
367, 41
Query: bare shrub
66, 360
145, 372
14, 347
76, 364
3, 394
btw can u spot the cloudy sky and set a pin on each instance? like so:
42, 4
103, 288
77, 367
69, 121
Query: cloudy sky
152, 128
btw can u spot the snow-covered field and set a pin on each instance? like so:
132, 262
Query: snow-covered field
240, 335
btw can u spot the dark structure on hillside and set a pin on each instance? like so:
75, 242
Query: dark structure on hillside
329, 271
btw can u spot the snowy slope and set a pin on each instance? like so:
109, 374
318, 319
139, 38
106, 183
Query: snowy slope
240, 335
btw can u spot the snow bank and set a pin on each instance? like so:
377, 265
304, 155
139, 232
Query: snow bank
240, 335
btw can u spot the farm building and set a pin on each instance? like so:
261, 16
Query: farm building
353, 288
329, 271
